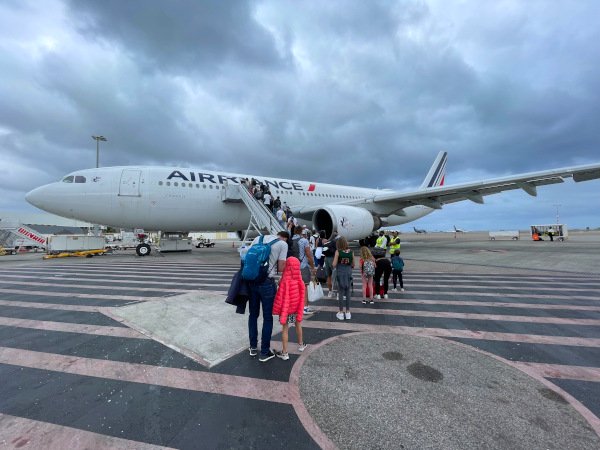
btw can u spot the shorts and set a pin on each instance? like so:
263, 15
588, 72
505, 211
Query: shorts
329, 265
291, 319
306, 275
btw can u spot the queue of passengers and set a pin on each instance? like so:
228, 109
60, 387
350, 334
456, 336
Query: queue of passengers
279, 284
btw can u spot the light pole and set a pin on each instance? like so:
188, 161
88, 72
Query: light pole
98, 139
557, 205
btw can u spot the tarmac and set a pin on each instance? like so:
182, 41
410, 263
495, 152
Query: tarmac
493, 344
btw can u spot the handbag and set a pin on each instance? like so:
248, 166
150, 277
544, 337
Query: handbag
321, 274
315, 291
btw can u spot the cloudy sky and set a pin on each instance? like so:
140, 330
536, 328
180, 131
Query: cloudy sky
326, 91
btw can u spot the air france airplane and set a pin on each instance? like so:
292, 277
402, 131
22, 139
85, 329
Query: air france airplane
176, 199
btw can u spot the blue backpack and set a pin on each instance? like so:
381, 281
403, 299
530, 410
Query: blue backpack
256, 262
397, 263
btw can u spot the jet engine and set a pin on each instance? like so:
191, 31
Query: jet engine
251, 234
349, 221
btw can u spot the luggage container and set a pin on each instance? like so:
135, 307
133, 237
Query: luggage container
74, 243
504, 234
174, 242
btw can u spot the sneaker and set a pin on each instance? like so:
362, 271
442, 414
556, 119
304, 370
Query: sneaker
394, 290
340, 316
302, 346
266, 357
377, 297
364, 301
330, 294
308, 310
401, 289
284, 356
385, 296
348, 315
253, 351
371, 301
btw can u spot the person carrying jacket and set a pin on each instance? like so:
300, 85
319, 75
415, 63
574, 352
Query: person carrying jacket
262, 295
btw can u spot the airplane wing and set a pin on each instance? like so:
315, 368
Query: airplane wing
392, 202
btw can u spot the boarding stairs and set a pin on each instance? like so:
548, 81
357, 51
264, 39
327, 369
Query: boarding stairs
13, 235
261, 218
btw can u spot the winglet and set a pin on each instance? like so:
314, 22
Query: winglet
435, 176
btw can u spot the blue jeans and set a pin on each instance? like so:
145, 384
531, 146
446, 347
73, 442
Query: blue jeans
261, 294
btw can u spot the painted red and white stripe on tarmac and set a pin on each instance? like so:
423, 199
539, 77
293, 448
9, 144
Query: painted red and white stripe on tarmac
556, 334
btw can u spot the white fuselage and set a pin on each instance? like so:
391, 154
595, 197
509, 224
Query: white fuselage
176, 199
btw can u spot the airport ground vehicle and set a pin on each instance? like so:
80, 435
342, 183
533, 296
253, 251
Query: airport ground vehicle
504, 234
202, 242
559, 231
7, 251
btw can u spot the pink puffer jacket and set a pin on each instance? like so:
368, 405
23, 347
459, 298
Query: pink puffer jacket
290, 295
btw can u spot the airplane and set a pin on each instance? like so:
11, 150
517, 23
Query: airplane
180, 200
458, 230
420, 230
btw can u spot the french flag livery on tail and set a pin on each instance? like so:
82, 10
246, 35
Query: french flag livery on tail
437, 173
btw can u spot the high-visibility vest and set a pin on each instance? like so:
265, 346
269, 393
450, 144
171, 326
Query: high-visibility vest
381, 242
394, 246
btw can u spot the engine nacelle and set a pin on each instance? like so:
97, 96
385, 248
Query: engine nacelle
251, 234
349, 221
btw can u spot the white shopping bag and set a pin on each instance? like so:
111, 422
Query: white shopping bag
315, 291
319, 252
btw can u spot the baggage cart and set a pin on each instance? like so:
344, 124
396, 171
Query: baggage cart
559, 232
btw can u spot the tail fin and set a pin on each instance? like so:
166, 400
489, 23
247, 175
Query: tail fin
437, 173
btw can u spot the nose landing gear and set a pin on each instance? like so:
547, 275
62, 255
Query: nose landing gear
142, 249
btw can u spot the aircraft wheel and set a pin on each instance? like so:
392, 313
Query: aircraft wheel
142, 250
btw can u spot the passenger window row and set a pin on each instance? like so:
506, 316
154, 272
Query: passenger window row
276, 192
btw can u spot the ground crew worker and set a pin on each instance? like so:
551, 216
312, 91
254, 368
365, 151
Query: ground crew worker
381, 241
394, 242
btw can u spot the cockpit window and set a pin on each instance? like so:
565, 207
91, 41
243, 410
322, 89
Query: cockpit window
68, 179
79, 179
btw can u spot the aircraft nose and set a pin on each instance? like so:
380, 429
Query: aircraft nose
36, 197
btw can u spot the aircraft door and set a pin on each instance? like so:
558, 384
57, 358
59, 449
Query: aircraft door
130, 183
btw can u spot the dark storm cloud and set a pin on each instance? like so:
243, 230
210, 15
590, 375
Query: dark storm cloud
180, 35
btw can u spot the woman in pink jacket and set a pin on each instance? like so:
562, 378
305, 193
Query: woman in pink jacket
289, 304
